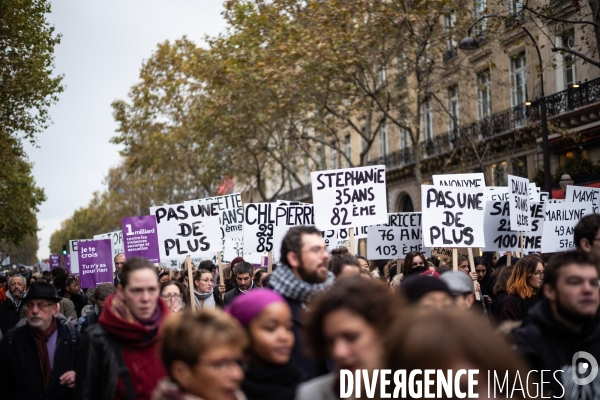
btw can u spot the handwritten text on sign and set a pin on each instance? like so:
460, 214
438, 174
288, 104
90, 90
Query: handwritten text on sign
579, 194
187, 229
559, 223
401, 235
518, 200
349, 197
231, 214
452, 216
259, 225
460, 180
498, 235
286, 217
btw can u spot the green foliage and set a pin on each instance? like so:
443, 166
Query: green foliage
25, 253
576, 167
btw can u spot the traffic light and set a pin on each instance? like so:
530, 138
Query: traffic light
64, 249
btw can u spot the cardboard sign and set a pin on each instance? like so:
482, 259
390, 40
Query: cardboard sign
498, 235
452, 216
496, 193
559, 222
532, 240
401, 235
117, 241
232, 248
231, 214
459, 180
75, 255
580, 194
349, 197
54, 261
190, 228
95, 262
259, 227
141, 237
288, 216
519, 203
445, 253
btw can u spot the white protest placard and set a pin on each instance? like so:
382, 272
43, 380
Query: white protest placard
496, 193
452, 216
498, 235
288, 215
73, 252
190, 228
518, 199
532, 240
581, 194
559, 221
116, 239
349, 197
534, 192
332, 241
459, 180
401, 235
259, 227
544, 196
231, 214
232, 248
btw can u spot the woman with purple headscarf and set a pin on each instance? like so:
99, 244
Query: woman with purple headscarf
268, 320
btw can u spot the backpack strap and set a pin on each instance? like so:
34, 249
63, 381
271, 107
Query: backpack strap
122, 369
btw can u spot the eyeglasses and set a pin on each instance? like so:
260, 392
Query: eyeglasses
172, 296
539, 273
316, 250
221, 365
41, 306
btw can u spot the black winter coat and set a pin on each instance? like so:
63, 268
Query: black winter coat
97, 366
9, 315
549, 345
20, 372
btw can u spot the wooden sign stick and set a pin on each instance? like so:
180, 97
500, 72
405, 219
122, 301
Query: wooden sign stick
522, 246
188, 266
221, 279
472, 265
270, 263
170, 273
455, 259
508, 258
352, 246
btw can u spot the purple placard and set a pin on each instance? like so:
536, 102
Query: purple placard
67, 262
54, 261
95, 262
140, 237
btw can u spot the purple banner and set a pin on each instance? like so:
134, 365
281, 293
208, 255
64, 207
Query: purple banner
67, 262
140, 237
54, 261
95, 262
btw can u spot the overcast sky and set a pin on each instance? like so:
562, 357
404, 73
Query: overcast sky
103, 46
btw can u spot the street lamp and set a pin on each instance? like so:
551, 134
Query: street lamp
469, 44
565, 181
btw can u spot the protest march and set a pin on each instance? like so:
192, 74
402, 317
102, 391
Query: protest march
215, 298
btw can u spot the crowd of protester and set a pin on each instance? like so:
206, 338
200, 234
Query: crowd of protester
287, 332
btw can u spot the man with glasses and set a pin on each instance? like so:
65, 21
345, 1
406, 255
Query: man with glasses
303, 273
587, 236
37, 359
566, 321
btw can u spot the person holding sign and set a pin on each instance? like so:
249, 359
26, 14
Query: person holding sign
118, 357
522, 287
303, 273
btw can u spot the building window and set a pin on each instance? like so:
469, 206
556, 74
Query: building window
449, 23
480, 7
404, 138
381, 77
383, 140
518, 79
426, 120
348, 149
484, 95
334, 158
499, 174
454, 109
515, 7
570, 76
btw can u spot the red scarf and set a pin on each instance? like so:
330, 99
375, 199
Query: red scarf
41, 337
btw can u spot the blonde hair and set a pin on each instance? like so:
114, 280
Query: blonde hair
187, 336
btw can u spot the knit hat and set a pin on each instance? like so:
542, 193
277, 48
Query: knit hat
237, 260
247, 306
415, 287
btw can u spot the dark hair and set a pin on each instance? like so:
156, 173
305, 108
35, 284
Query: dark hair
586, 228
102, 291
45, 273
502, 279
359, 257
259, 272
28, 281
408, 261
561, 260
60, 282
369, 299
435, 261
182, 289
207, 265
58, 271
243, 267
292, 241
163, 274
135, 264
266, 281
339, 258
